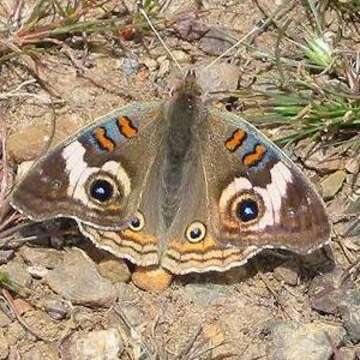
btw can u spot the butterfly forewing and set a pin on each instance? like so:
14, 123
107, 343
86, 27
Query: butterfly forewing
96, 175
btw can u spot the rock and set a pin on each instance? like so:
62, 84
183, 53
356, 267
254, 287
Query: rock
350, 310
95, 345
323, 160
337, 206
129, 65
312, 341
325, 165
150, 63
205, 294
352, 166
4, 348
151, 279
332, 184
181, 56
37, 271
326, 292
6, 256
47, 258
288, 273
77, 280
222, 77
114, 269
22, 306
189, 26
16, 271
41, 351
56, 307
37, 138
216, 42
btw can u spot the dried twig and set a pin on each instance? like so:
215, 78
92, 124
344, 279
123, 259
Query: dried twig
274, 293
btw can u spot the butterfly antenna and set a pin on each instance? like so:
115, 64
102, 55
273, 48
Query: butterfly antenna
257, 28
144, 14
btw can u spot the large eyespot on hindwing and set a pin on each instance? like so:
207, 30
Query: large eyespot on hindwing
240, 205
246, 207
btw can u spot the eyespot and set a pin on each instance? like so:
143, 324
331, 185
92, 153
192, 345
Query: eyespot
137, 222
247, 209
101, 190
195, 232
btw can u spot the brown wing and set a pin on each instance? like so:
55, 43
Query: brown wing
252, 197
96, 175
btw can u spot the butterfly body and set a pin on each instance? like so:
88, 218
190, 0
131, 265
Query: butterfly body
177, 185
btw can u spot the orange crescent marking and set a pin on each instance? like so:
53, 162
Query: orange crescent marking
126, 127
205, 245
235, 141
254, 157
139, 237
104, 141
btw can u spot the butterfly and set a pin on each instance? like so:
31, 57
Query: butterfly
177, 185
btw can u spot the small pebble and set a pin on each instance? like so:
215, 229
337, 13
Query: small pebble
43, 257
114, 269
16, 271
37, 271
288, 273
78, 280
350, 310
95, 345
151, 279
151, 64
312, 341
6, 256
56, 307
326, 292
216, 42
22, 306
36, 137
352, 165
332, 184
